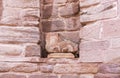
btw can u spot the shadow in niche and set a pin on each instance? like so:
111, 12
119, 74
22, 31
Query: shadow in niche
45, 13
1, 8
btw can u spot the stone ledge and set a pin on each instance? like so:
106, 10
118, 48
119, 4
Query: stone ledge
43, 60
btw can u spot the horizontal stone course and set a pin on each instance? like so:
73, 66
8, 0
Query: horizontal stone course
19, 34
21, 3
107, 76
75, 68
12, 76
43, 76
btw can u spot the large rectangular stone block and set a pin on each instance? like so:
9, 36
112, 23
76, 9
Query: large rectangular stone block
21, 3
11, 50
19, 34
111, 28
75, 68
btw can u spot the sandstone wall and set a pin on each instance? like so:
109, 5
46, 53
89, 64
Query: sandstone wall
29, 28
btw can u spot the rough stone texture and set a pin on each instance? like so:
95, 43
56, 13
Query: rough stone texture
69, 76
107, 10
27, 68
107, 76
56, 43
69, 9
32, 50
43, 76
110, 68
65, 28
19, 34
75, 68
56, 25
87, 76
12, 76
61, 55
12, 50
46, 68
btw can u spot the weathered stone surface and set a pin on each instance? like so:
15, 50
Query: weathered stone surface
75, 68
69, 9
86, 76
107, 14
92, 56
61, 55
94, 45
12, 76
10, 50
25, 67
110, 68
49, 11
115, 42
1, 8
43, 76
57, 1
4, 67
69, 76
54, 43
91, 31
113, 27
46, 68
111, 54
72, 23
57, 25
99, 8
107, 76
84, 3
11, 16
30, 17
19, 34
21, 3
32, 50
72, 36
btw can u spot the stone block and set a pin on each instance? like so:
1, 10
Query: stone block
107, 14
30, 17
1, 8
107, 76
19, 34
99, 8
69, 76
75, 68
72, 23
4, 67
43, 76
87, 76
52, 26
11, 50
86, 3
11, 16
12, 76
92, 56
25, 67
49, 11
113, 27
94, 45
61, 55
46, 68
32, 50
69, 9
111, 54
21, 3
110, 68
91, 31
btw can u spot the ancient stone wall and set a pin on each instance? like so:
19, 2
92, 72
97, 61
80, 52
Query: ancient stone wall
62, 29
